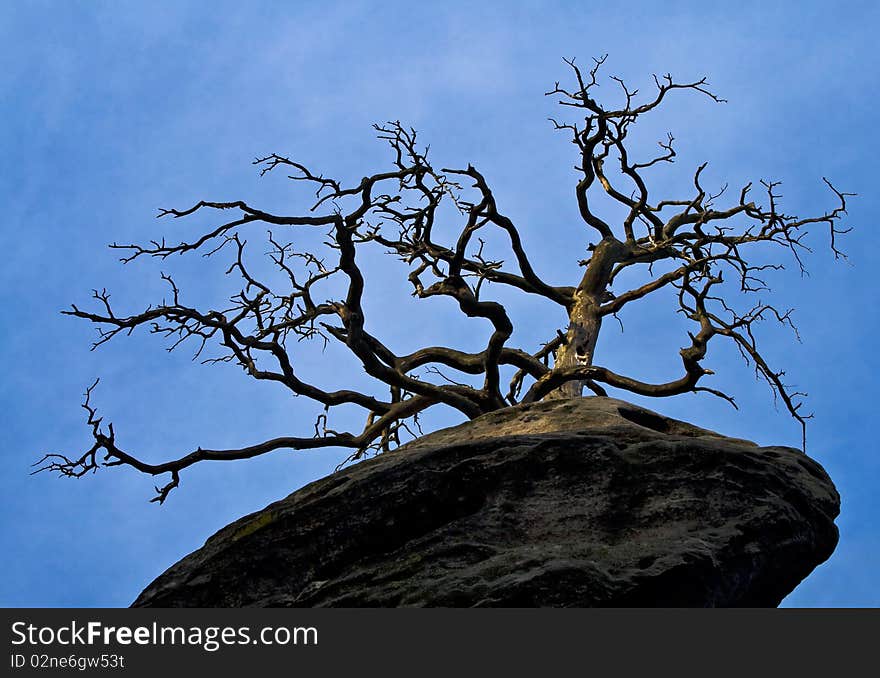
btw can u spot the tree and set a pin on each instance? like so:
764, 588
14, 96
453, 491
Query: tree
682, 242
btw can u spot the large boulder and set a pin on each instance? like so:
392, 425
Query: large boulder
573, 503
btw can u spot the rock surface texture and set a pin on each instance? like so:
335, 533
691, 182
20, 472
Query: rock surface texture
572, 503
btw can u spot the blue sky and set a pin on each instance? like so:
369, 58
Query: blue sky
111, 110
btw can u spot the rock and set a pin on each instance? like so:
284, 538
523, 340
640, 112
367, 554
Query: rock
572, 503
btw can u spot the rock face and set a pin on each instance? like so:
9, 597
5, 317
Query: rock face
574, 503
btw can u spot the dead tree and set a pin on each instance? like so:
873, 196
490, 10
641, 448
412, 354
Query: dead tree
683, 242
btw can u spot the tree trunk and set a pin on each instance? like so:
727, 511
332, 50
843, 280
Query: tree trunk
585, 321
580, 344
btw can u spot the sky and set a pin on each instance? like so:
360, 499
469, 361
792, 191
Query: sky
112, 110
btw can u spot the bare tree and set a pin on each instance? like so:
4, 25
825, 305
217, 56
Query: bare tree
683, 242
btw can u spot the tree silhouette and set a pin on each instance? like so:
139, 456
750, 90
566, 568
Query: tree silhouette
684, 242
